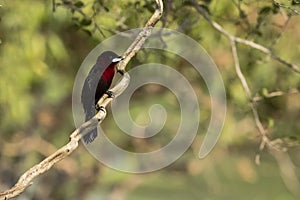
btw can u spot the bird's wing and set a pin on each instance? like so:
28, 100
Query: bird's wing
88, 93
88, 100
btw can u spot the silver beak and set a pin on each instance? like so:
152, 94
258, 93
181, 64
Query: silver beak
117, 59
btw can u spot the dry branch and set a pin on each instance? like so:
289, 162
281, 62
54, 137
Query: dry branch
275, 94
285, 164
26, 179
261, 129
249, 43
233, 40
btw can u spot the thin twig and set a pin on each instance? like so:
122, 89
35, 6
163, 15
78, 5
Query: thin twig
261, 129
238, 70
240, 75
275, 94
292, 10
254, 45
142, 36
26, 179
233, 40
286, 166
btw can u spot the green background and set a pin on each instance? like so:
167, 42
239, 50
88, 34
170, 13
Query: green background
42, 48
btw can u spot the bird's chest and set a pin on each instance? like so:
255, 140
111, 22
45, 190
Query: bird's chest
108, 74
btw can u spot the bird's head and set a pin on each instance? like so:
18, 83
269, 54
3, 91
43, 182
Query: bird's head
117, 59
108, 57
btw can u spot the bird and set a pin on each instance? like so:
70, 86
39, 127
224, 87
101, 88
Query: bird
96, 85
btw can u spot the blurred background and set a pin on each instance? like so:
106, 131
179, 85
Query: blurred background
42, 46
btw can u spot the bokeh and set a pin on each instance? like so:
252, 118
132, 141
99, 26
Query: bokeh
43, 44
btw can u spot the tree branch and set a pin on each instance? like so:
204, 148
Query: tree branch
26, 179
275, 94
233, 40
286, 166
253, 45
261, 129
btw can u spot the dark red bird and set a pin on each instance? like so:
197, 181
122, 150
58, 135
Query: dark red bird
96, 84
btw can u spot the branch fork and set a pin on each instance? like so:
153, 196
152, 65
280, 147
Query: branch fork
27, 178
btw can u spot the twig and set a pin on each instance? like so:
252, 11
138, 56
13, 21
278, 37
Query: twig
254, 45
275, 94
233, 40
286, 166
238, 69
143, 35
26, 179
261, 129
240, 75
292, 10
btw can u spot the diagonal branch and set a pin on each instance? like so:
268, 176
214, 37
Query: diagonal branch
233, 40
286, 166
261, 129
143, 35
253, 45
26, 179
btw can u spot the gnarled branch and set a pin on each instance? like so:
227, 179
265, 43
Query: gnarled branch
27, 178
249, 43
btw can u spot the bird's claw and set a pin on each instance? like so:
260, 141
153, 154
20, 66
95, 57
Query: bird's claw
110, 94
121, 71
98, 108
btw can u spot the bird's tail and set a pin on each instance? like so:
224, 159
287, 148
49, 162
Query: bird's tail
90, 136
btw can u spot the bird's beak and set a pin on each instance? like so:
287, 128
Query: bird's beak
117, 59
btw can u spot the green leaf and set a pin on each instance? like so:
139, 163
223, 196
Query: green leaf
106, 8
264, 92
270, 122
265, 10
79, 4
86, 22
295, 2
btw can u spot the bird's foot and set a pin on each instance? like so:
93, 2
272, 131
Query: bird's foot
98, 108
121, 71
110, 94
